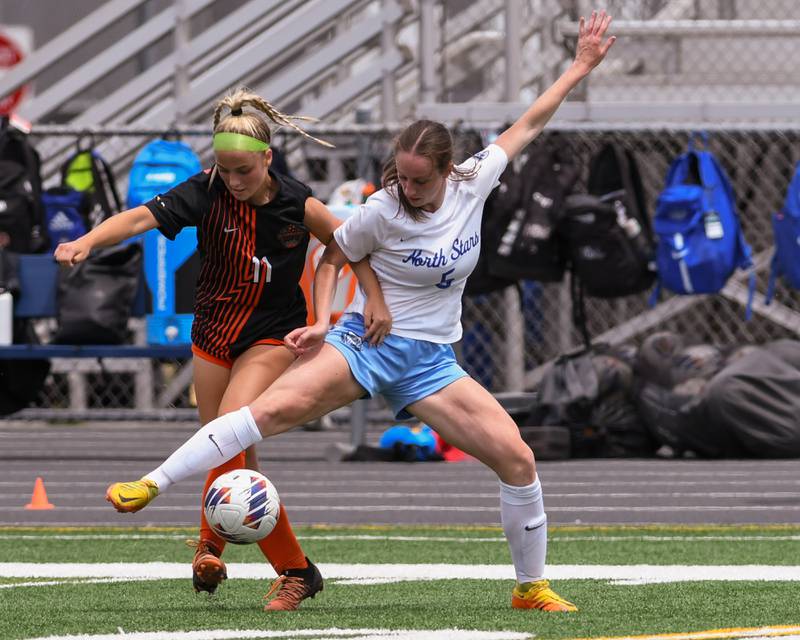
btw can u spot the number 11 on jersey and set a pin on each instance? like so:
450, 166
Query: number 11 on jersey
257, 269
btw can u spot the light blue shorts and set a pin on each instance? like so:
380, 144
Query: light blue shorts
402, 370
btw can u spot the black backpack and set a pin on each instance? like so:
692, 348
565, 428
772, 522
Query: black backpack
87, 172
611, 247
21, 215
482, 280
467, 143
529, 247
608, 232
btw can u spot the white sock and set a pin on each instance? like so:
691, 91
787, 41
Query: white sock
215, 443
525, 525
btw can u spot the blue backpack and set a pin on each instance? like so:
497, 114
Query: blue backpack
786, 228
700, 240
159, 166
419, 441
65, 212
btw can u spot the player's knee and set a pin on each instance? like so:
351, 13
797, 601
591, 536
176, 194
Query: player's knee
518, 466
273, 414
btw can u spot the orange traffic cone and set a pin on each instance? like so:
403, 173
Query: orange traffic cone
39, 497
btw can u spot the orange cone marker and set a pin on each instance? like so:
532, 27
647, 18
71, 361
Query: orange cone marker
39, 497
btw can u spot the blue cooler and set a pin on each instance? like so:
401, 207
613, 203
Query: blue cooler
170, 270
170, 267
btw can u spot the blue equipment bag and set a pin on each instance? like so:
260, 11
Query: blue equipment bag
700, 240
65, 214
159, 166
786, 228
419, 441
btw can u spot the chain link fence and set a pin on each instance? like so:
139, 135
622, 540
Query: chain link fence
510, 334
759, 163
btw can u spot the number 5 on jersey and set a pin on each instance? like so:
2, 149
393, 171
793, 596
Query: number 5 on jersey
257, 263
445, 282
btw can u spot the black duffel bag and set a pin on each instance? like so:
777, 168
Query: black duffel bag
95, 296
757, 400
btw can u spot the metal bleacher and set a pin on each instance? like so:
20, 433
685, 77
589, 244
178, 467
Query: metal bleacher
478, 62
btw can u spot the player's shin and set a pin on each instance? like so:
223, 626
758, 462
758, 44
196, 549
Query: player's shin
525, 526
216, 442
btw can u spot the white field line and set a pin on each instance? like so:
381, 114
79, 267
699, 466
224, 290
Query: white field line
393, 538
759, 633
786, 632
388, 573
316, 634
660, 509
51, 583
646, 538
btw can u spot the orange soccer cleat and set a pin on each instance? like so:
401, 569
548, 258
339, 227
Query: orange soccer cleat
294, 586
539, 595
208, 569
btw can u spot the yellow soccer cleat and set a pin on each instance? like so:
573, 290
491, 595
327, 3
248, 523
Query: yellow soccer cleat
539, 595
128, 497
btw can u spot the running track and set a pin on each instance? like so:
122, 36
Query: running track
77, 462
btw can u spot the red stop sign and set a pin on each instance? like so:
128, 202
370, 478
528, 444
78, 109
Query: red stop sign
10, 54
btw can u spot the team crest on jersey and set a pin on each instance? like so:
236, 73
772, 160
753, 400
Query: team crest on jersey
291, 235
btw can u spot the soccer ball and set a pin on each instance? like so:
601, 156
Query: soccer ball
242, 506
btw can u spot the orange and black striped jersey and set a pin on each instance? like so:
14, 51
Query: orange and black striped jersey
252, 258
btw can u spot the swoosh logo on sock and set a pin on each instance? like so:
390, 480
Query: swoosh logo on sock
211, 437
528, 528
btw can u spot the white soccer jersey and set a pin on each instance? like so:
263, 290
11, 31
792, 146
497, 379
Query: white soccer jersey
423, 266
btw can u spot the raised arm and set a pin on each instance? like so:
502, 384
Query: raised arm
590, 51
115, 229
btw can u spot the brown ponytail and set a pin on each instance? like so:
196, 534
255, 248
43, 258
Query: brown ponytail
430, 140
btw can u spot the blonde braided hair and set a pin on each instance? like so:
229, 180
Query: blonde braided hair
251, 124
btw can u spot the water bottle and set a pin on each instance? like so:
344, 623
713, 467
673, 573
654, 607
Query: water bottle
6, 318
